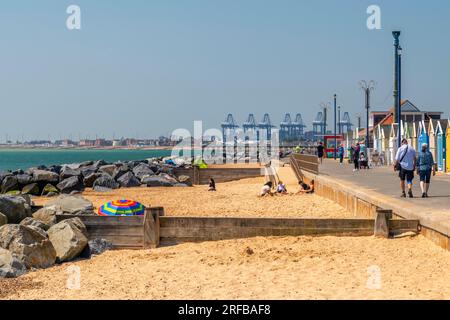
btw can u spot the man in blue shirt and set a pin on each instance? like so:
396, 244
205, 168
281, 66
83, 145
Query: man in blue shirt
405, 163
425, 165
341, 154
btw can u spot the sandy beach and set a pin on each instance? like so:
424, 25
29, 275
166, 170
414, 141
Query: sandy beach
237, 198
255, 268
258, 268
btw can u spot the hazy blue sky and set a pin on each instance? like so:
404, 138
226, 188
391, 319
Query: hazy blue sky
146, 67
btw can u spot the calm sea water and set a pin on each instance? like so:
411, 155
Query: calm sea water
24, 159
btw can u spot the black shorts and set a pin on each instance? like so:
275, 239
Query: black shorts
425, 176
407, 175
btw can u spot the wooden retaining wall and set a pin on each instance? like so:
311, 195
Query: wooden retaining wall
175, 230
138, 232
154, 228
201, 176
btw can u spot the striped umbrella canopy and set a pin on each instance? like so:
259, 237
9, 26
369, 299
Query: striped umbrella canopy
122, 208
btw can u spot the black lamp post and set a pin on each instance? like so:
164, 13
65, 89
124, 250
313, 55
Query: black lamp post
397, 106
367, 87
399, 133
335, 139
339, 120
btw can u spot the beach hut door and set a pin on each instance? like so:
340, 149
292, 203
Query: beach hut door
440, 152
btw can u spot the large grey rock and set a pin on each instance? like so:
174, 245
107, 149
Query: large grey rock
106, 181
27, 199
95, 247
69, 238
35, 223
55, 168
9, 183
73, 166
10, 265
47, 215
70, 184
142, 170
86, 171
31, 189
157, 181
15, 208
68, 204
89, 180
99, 163
24, 179
49, 189
185, 180
128, 180
68, 172
4, 174
29, 245
109, 169
45, 176
86, 164
3, 219
120, 171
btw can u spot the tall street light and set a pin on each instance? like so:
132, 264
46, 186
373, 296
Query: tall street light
335, 115
367, 88
325, 107
397, 111
399, 131
339, 120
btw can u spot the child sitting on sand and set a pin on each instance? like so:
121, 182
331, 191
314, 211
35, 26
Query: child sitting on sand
306, 188
212, 185
281, 188
266, 189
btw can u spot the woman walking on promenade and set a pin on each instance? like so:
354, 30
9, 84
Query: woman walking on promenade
425, 165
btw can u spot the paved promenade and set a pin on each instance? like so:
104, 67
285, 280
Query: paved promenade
382, 184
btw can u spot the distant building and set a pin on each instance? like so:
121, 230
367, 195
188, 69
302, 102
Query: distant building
86, 143
103, 143
410, 113
65, 143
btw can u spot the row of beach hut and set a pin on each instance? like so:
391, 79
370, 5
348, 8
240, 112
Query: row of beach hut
435, 133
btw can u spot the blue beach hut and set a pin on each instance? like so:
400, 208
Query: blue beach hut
423, 134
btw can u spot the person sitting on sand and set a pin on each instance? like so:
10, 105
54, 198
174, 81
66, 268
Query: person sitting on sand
266, 189
281, 188
212, 185
306, 188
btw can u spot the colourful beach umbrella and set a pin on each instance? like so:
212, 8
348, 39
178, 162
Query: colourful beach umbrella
122, 208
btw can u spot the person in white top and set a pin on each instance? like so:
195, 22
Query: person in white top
405, 164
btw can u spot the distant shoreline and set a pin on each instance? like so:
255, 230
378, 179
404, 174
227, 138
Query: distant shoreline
40, 148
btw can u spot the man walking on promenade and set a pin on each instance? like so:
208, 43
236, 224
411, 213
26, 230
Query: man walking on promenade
405, 163
320, 152
356, 152
341, 154
425, 165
